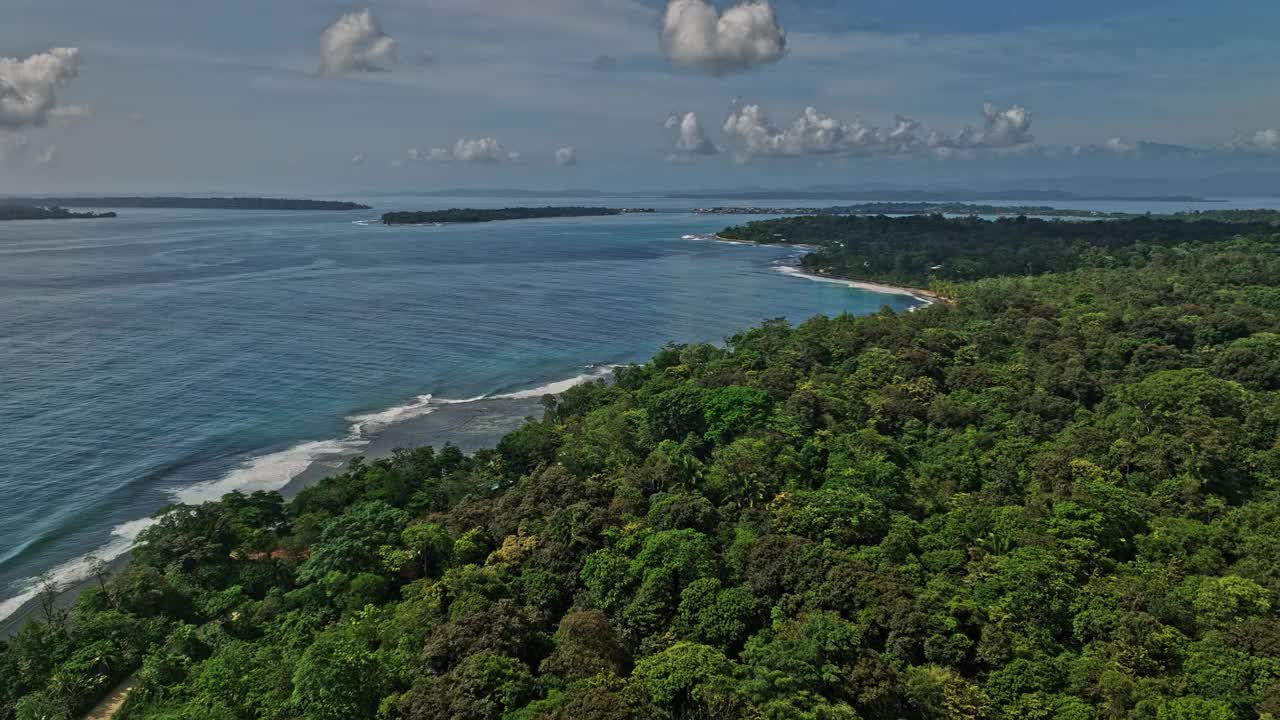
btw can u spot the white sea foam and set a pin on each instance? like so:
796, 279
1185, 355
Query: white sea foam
596, 372
364, 424
81, 568
268, 472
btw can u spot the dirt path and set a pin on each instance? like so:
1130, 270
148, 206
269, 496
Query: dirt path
112, 703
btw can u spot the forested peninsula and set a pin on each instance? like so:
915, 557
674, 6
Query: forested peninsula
1055, 499
915, 208
198, 203
42, 212
480, 215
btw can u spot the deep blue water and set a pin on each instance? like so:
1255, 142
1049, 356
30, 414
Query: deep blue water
178, 354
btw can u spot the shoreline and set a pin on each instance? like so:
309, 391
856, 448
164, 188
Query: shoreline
925, 296
470, 424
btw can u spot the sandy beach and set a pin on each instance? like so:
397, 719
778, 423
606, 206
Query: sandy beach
926, 297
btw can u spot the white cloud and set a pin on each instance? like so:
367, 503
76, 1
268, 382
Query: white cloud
479, 150
1261, 141
691, 140
695, 33
1120, 146
566, 156
47, 156
482, 150
355, 43
1003, 129
358, 159
813, 133
29, 87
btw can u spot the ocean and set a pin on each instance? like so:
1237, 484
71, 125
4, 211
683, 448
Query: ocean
174, 355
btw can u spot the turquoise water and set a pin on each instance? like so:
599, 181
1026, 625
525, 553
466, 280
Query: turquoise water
175, 355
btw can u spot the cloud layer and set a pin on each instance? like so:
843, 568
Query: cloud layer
696, 34
355, 43
29, 88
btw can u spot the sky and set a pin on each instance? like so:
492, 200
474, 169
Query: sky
316, 97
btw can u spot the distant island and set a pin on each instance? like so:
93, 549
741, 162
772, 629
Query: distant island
478, 215
912, 208
47, 212
196, 203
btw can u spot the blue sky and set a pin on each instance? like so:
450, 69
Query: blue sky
228, 96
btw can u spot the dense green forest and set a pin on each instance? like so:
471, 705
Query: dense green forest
1246, 216
931, 248
40, 212
201, 203
1055, 499
479, 215
917, 208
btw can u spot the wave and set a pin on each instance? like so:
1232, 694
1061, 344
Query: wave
76, 571
596, 372
269, 472
363, 424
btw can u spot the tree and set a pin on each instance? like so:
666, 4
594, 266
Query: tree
586, 645
341, 676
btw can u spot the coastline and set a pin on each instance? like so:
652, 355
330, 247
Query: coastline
470, 424
925, 296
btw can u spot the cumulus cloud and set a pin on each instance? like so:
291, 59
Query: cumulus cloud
696, 34
1120, 146
751, 134
29, 88
356, 43
815, 133
479, 150
1261, 141
566, 156
1007, 128
691, 140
